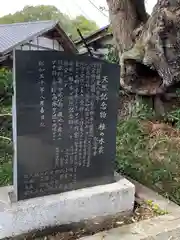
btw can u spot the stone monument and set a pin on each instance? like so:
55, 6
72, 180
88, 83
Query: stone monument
64, 133
66, 108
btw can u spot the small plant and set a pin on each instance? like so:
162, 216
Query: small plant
174, 117
155, 208
142, 111
112, 55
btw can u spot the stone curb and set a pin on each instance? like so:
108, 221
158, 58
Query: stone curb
144, 193
51, 211
165, 227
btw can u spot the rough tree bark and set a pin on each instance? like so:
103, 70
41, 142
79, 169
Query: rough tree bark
149, 46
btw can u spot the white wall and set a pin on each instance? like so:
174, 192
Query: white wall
41, 43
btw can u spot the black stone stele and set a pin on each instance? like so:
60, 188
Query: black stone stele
66, 116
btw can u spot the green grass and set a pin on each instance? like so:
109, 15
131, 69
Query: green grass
153, 161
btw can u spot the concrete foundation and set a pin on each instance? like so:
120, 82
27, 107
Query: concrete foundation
71, 207
166, 227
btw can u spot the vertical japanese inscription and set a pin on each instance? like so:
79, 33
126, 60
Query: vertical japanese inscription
103, 101
57, 92
75, 142
41, 72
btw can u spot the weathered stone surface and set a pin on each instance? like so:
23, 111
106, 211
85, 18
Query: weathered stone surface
165, 227
66, 130
65, 208
161, 228
143, 194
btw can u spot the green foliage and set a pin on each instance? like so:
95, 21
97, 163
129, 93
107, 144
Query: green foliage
5, 127
49, 12
5, 86
174, 117
155, 207
112, 55
5, 79
141, 110
31, 13
85, 26
153, 161
130, 147
6, 173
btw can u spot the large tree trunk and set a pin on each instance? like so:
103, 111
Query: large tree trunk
148, 46
124, 19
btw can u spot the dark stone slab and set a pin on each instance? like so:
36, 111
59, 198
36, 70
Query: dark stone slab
66, 115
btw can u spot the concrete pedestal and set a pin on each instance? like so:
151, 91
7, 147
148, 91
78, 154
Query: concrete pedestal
71, 207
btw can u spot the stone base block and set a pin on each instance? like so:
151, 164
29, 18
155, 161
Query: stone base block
66, 208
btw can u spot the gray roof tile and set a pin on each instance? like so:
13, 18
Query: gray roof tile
15, 34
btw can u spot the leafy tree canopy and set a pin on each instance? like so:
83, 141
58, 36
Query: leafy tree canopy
48, 12
85, 25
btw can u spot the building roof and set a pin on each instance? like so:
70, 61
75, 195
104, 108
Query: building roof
12, 35
94, 36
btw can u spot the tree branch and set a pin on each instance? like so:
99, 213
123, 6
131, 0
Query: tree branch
6, 115
5, 138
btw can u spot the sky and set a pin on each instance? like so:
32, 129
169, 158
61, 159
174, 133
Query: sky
70, 7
